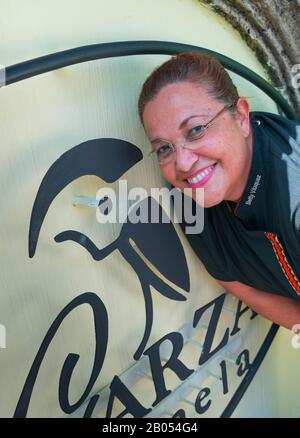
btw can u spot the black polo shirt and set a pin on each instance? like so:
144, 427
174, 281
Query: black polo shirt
259, 243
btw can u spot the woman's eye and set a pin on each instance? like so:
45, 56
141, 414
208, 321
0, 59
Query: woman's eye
197, 130
163, 150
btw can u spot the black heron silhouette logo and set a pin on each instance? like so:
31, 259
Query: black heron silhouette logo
109, 159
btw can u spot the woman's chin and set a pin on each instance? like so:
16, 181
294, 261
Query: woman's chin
209, 199
203, 197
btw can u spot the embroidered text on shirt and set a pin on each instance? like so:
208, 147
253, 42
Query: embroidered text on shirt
253, 190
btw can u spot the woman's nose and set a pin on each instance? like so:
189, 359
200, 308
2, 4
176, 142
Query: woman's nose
185, 159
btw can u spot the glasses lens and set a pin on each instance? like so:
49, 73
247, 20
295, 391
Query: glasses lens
163, 152
195, 134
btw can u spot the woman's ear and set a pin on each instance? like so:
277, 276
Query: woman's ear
242, 115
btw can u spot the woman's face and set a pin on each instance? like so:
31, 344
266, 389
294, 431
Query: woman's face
220, 160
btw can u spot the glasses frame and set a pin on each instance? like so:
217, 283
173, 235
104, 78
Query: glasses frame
201, 134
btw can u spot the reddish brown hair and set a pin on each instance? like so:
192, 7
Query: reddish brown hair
198, 68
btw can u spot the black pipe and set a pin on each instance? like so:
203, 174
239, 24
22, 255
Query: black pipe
37, 66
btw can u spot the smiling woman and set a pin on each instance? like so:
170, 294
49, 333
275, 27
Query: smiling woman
247, 164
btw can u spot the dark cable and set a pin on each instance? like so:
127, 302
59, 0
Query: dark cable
54, 61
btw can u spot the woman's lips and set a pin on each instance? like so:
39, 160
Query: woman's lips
201, 178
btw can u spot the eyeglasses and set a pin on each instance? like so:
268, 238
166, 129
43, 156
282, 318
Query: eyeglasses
165, 151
